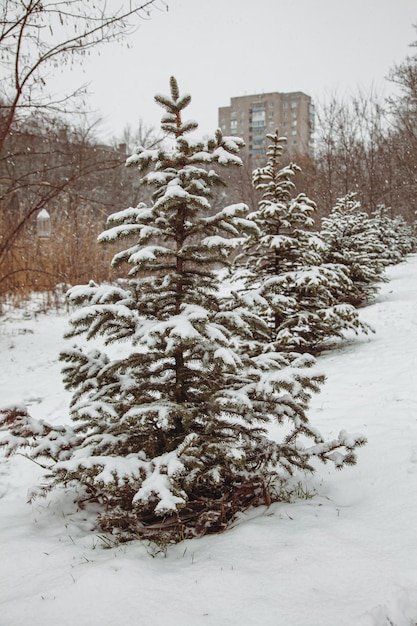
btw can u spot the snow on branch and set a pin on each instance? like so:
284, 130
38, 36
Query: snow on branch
20, 430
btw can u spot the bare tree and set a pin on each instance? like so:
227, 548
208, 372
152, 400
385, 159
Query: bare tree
36, 35
43, 161
139, 135
77, 180
403, 110
353, 151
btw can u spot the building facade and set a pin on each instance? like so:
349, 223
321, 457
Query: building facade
252, 117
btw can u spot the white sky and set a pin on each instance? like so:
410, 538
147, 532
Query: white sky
222, 48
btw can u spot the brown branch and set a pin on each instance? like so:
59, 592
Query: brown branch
74, 44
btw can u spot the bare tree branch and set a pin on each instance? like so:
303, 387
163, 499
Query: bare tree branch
37, 33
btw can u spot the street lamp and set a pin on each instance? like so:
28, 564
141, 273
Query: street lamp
43, 224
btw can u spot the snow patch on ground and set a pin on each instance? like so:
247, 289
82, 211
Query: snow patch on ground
345, 557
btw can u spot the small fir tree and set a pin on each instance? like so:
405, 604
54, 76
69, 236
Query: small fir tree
299, 295
353, 239
406, 236
395, 235
170, 429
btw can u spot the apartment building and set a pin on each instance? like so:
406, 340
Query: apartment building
252, 117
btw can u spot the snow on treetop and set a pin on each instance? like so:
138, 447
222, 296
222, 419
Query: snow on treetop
224, 157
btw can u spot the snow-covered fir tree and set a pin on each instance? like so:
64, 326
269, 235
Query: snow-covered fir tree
299, 295
406, 235
170, 416
353, 239
395, 235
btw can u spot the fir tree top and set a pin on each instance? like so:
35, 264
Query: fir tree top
278, 209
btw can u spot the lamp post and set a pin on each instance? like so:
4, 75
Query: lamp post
43, 224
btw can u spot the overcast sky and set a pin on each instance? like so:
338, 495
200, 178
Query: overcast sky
218, 49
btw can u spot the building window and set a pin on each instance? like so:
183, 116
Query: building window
258, 141
258, 113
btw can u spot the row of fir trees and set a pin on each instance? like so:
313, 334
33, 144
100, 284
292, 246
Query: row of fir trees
187, 367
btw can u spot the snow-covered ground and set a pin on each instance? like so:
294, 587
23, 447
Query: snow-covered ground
345, 557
